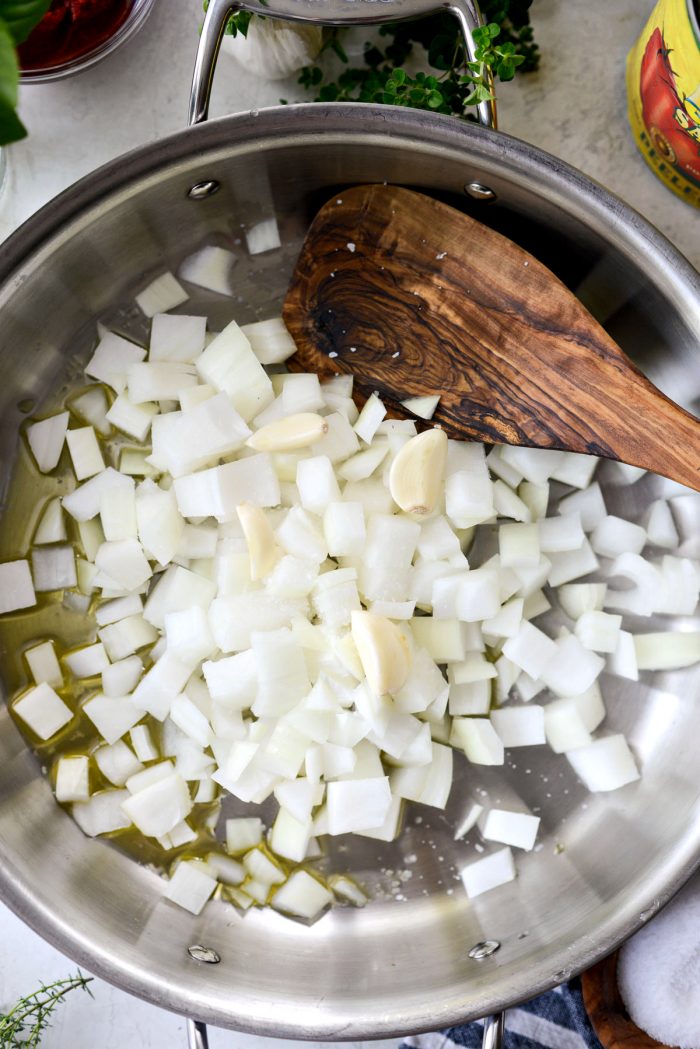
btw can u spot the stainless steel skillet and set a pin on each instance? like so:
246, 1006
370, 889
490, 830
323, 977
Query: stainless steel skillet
400, 965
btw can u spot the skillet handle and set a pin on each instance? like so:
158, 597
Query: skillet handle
197, 1035
334, 12
493, 1031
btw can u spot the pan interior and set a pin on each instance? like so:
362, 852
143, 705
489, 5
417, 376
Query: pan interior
606, 862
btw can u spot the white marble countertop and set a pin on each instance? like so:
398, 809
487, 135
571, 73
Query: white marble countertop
140, 94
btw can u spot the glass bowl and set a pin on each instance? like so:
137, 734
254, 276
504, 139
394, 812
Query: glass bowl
132, 22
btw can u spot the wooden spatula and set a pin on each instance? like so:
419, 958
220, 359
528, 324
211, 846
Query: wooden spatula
414, 298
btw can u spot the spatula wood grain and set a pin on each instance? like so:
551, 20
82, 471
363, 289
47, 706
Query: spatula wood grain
412, 298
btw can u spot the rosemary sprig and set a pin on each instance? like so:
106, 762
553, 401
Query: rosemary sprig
30, 1016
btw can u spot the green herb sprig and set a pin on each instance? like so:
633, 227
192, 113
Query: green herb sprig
23, 1026
503, 46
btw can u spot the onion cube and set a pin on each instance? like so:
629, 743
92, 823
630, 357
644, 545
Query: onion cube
190, 720
506, 622
53, 568
301, 392
102, 814
190, 886
660, 526
198, 436
132, 419
667, 650
227, 870
230, 366
84, 503
361, 466
281, 672
290, 837
142, 743
177, 589
441, 638
46, 439
566, 726
588, 504
163, 293
488, 873
298, 797
117, 762
43, 664
344, 528
469, 497
189, 636
88, 661
233, 680
573, 669
85, 452
160, 685
519, 726
605, 764
519, 546
470, 699
263, 236
559, 534
176, 337
43, 711
123, 560
111, 359
478, 739
356, 805
243, 833
118, 514
317, 484
571, 564
73, 779
468, 821
512, 828
210, 268
112, 717
233, 619
302, 896
478, 594
339, 442
261, 869
370, 417
598, 631
270, 341
579, 598
218, 491
530, 649
576, 469
535, 464
427, 784
16, 588
158, 808
51, 527
613, 536
623, 661
127, 636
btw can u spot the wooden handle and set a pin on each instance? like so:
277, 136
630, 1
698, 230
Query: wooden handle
414, 298
607, 1012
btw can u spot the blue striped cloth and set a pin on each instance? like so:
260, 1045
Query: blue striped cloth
555, 1020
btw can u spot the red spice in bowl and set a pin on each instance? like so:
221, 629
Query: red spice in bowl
73, 32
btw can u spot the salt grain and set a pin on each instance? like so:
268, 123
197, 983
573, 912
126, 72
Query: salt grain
658, 972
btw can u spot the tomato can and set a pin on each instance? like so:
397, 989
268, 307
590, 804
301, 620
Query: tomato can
663, 94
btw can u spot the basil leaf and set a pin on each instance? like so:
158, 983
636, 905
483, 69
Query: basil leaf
20, 16
11, 127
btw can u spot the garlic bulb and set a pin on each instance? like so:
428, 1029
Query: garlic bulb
275, 49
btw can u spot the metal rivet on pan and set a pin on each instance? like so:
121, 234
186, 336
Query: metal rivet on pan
202, 190
479, 192
203, 954
484, 950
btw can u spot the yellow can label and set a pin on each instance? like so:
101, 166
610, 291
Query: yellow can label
663, 94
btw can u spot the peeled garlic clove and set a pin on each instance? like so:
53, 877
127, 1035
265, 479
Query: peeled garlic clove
284, 435
418, 472
383, 650
263, 551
